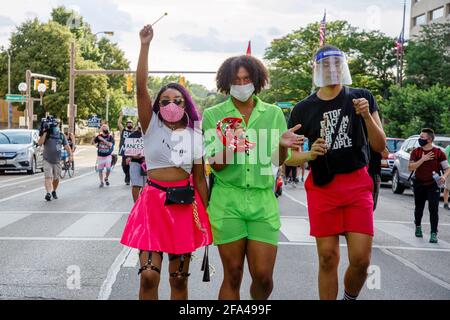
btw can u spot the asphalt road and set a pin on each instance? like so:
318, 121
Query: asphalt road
69, 248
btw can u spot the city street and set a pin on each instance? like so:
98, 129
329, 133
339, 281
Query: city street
45, 246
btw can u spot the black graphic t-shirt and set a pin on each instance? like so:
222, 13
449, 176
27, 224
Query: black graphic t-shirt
319, 118
125, 134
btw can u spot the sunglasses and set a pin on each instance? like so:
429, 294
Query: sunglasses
179, 102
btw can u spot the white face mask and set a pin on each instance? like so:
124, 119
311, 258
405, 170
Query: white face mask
242, 93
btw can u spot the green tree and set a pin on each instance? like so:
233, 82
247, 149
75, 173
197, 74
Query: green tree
410, 109
370, 54
428, 56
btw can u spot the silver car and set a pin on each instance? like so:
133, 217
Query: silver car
400, 172
19, 151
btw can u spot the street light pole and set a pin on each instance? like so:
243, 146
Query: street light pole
72, 89
9, 92
108, 33
107, 107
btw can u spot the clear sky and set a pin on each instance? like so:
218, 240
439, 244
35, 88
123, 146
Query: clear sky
201, 34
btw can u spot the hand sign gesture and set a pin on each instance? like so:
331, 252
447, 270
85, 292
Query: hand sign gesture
146, 34
427, 156
291, 140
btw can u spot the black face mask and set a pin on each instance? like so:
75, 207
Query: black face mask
423, 142
129, 127
105, 131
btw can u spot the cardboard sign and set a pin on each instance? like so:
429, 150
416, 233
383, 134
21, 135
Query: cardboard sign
94, 122
134, 147
130, 111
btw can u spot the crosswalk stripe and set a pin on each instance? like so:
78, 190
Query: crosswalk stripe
295, 229
92, 225
406, 234
132, 259
7, 219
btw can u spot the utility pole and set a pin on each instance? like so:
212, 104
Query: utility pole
9, 92
72, 89
28, 110
402, 53
107, 107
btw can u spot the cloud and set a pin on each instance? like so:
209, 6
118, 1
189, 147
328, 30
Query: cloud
213, 42
102, 15
6, 22
274, 31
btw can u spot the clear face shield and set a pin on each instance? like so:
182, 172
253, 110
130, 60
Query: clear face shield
331, 68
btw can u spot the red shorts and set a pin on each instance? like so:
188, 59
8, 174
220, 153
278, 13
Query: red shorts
342, 206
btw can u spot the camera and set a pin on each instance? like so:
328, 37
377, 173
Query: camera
47, 124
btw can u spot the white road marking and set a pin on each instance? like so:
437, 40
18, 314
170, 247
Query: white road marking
64, 212
406, 234
295, 244
375, 221
296, 230
59, 239
22, 182
306, 244
42, 188
414, 267
23, 178
105, 290
91, 226
295, 200
7, 219
132, 259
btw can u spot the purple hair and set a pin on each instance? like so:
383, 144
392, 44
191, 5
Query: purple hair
191, 108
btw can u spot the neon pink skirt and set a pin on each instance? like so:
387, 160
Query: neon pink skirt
152, 226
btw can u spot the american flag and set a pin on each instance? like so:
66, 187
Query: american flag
399, 44
323, 30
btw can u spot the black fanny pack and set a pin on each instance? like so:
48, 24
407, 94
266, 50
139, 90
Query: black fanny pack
176, 195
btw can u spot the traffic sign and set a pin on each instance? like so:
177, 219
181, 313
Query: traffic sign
285, 105
16, 98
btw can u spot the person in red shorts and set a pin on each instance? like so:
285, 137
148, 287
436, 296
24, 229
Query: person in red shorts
342, 125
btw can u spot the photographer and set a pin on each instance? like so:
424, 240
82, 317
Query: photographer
53, 140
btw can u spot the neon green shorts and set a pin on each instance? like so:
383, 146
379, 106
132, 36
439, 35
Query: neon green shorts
236, 214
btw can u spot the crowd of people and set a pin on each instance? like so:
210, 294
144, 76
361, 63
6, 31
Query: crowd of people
336, 133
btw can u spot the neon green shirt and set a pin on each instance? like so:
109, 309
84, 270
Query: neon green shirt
265, 127
447, 153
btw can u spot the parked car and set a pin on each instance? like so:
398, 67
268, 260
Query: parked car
400, 170
19, 150
393, 145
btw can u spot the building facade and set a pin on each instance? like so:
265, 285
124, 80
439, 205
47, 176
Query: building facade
425, 12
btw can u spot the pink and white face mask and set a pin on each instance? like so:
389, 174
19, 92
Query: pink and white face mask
172, 113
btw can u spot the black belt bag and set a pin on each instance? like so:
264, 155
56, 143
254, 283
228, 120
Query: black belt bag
176, 195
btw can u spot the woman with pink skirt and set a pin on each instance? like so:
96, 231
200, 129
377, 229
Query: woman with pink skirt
169, 216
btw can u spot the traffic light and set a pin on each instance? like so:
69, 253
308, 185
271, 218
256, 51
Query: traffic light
47, 84
129, 83
37, 82
182, 81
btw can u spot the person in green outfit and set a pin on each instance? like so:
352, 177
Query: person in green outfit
243, 209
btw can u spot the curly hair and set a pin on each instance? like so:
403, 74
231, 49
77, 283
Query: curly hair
191, 108
229, 69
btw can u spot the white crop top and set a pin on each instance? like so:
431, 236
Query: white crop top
164, 148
